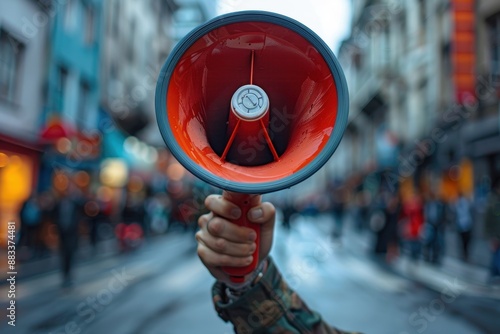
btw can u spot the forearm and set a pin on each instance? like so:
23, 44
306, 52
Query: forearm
270, 306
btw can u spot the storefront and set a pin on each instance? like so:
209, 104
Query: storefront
19, 165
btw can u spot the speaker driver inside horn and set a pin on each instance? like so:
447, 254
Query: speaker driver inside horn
300, 79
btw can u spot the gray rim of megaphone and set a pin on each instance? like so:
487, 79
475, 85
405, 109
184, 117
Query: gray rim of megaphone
243, 187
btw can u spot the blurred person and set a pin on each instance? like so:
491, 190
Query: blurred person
434, 217
412, 220
337, 195
264, 295
158, 210
363, 203
95, 211
91, 210
67, 213
464, 223
288, 210
492, 229
392, 217
384, 223
30, 218
47, 201
378, 223
131, 229
182, 208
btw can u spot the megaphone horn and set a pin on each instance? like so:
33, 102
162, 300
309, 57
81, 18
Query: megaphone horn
251, 102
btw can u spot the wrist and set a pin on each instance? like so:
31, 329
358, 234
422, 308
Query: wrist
264, 298
235, 290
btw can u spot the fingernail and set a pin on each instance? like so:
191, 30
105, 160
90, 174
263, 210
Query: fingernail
252, 236
256, 214
236, 213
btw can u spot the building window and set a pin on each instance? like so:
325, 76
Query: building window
494, 33
384, 44
422, 17
116, 18
62, 84
11, 52
83, 103
70, 14
131, 42
89, 24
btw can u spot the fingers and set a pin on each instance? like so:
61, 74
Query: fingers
213, 259
217, 227
225, 247
221, 207
263, 213
224, 243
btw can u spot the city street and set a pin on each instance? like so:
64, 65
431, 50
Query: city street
163, 288
372, 126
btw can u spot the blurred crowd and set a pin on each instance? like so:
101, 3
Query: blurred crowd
67, 218
416, 224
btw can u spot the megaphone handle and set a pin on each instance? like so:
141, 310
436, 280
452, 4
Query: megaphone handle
245, 202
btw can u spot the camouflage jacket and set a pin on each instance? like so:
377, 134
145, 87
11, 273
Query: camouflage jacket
269, 307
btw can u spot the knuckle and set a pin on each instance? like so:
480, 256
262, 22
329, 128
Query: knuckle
226, 261
208, 201
202, 221
269, 209
216, 226
221, 244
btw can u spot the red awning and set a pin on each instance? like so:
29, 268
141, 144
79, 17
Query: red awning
57, 129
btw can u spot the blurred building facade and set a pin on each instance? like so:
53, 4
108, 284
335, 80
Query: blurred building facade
71, 112
77, 79
482, 135
23, 54
190, 14
135, 41
424, 89
138, 39
424, 94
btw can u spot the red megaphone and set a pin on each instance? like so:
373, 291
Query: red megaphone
251, 102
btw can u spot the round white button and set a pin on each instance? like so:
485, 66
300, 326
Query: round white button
250, 103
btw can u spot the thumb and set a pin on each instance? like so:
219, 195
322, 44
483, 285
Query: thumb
264, 214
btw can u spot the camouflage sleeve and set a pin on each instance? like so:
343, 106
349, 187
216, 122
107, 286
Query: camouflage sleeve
269, 307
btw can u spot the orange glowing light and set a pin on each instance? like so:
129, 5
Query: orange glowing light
175, 172
61, 182
63, 145
4, 159
135, 185
104, 194
82, 179
15, 178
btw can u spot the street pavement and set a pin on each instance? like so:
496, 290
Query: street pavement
163, 288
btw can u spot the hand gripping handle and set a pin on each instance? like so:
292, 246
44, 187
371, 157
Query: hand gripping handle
245, 202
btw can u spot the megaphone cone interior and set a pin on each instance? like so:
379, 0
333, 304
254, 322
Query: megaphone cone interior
298, 74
